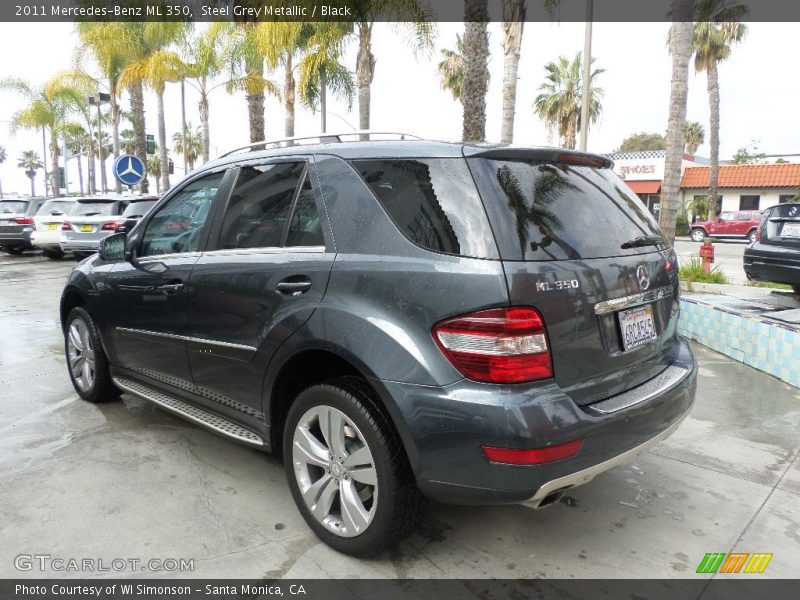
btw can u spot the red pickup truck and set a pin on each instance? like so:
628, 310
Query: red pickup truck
733, 224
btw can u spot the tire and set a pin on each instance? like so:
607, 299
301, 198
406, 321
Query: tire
698, 235
384, 501
14, 250
751, 237
53, 254
796, 289
87, 363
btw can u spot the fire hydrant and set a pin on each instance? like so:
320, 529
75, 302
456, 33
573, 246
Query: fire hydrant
707, 254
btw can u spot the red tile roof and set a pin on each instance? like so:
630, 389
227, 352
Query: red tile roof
745, 176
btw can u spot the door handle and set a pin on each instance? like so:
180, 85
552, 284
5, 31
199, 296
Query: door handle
294, 285
171, 288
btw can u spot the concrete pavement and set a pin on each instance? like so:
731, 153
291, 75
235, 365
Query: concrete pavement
727, 256
127, 480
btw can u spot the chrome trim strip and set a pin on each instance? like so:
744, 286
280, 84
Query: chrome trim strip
609, 306
271, 250
653, 387
186, 338
159, 257
586, 475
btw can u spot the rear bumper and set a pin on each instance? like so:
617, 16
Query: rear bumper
46, 240
444, 429
17, 238
70, 245
778, 264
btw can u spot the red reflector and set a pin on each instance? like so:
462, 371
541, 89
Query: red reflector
65, 226
24, 221
579, 159
500, 345
532, 456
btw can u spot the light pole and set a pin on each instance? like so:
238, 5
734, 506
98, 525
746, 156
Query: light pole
100, 99
44, 162
587, 73
183, 124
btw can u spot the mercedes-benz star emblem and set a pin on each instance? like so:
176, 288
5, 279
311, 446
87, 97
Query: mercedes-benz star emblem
793, 211
130, 170
643, 277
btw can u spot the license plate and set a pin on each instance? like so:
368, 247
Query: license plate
52, 226
637, 326
791, 230
86, 227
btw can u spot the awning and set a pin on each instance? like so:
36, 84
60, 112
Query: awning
644, 187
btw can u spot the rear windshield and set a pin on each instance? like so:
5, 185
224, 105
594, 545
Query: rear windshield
433, 202
13, 207
55, 207
138, 209
91, 209
543, 211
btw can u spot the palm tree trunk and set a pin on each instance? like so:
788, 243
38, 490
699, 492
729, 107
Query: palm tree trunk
206, 127
476, 53
288, 96
713, 138
255, 102
680, 46
80, 172
139, 133
54, 153
90, 166
115, 128
513, 12
323, 99
162, 143
365, 71
33, 185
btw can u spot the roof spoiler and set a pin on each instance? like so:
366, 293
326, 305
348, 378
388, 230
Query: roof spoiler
554, 155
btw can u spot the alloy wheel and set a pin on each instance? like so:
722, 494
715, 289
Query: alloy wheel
80, 354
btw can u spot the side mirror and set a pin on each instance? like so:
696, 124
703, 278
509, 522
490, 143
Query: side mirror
112, 248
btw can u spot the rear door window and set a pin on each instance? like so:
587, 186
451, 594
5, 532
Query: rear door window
433, 202
544, 211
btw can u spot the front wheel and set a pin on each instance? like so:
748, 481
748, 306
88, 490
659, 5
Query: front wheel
86, 360
751, 237
347, 469
14, 250
698, 235
53, 254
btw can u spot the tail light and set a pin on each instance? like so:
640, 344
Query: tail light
65, 226
500, 345
119, 225
533, 456
671, 261
758, 234
24, 220
109, 226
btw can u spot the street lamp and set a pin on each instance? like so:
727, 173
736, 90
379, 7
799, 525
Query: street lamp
101, 98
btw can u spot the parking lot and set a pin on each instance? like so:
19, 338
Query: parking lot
728, 255
127, 480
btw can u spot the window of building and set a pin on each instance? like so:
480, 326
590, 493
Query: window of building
784, 198
749, 202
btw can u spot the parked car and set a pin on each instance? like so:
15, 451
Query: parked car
47, 226
775, 254
16, 223
137, 208
91, 220
736, 224
400, 319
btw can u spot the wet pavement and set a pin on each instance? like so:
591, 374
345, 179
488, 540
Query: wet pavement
126, 480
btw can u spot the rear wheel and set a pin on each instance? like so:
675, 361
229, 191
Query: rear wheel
86, 360
347, 469
698, 235
53, 254
14, 250
751, 237
796, 289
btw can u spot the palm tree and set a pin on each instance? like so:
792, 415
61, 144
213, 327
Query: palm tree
31, 163
154, 169
718, 27
156, 70
694, 135
476, 70
365, 13
451, 70
559, 103
75, 137
194, 144
513, 23
280, 42
3, 157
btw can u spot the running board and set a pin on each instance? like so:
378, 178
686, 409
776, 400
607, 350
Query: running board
189, 411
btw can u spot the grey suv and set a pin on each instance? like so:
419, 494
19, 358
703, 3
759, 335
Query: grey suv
399, 319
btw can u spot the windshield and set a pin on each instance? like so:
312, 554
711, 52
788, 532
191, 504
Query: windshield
138, 209
55, 207
13, 207
548, 211
91, 209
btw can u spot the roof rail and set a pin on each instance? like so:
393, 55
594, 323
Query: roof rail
323, 138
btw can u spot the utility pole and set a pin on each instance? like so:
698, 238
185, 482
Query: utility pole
587, 73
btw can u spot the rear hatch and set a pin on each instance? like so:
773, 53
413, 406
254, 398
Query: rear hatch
92, 218
52, 214
781, 227
11, 211
579, 246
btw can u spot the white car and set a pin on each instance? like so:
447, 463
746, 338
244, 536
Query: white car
89, 221
47, 226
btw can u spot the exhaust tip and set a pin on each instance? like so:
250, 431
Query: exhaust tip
552, 498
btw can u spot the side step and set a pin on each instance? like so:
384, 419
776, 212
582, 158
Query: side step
190, 412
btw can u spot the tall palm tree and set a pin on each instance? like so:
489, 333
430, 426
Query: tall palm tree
31, 163
75, 137
156, 70
194, 144
718, 27
3, 157
680, 47
513, 24
476, 70
154, 169
451, 70
281, 42
365, 13
694, 135
559, 103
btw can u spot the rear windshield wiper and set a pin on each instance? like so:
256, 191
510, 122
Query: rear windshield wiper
645, 240
91, 214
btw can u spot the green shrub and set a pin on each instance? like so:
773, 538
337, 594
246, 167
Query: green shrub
693, 273
682, 224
